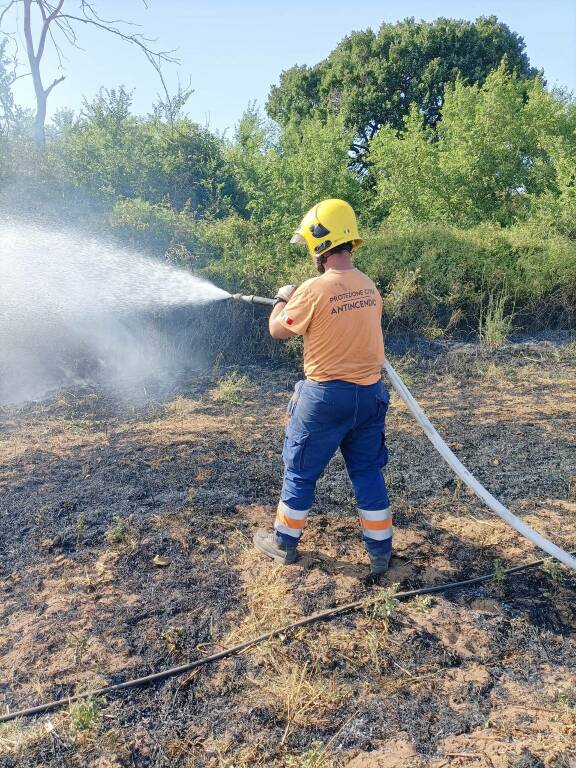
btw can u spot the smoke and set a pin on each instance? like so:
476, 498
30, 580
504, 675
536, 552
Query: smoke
74, 309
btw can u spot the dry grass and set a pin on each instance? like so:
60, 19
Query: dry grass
269, 599
21, 737
301, 695
450, 673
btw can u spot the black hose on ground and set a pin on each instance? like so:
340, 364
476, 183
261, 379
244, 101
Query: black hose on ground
321, 616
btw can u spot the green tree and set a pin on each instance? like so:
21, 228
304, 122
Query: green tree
492, 155
281, 175
556, 206
372, 79
113, 154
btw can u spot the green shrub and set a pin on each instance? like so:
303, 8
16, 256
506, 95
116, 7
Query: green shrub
231, 389
495, 323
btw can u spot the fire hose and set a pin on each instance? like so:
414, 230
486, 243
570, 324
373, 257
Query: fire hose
452, 460
460, 470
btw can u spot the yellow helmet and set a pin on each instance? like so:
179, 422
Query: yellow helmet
326, 225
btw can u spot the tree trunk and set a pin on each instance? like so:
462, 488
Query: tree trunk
34, 61
40, 119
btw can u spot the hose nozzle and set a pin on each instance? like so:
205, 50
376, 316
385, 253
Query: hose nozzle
251, 299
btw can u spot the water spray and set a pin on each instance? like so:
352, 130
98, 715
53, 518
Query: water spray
75, 308
453, 461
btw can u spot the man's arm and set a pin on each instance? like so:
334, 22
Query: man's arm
277, 330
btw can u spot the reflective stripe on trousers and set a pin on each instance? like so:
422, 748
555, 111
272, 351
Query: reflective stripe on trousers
324, 417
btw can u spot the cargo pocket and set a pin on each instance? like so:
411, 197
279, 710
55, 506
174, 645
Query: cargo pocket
294, 449
295, 397
383, 454
382, 407
383, 400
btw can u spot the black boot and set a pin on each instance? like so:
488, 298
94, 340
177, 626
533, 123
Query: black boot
379, 564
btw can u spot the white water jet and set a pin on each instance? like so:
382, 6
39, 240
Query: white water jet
63, 293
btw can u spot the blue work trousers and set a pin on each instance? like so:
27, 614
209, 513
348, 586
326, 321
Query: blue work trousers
325, 416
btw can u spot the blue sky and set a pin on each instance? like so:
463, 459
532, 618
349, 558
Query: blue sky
232, 52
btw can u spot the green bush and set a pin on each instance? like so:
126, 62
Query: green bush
454, 270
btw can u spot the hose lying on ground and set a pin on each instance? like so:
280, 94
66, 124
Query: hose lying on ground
321, 616
458, 468
451, 459
467, 477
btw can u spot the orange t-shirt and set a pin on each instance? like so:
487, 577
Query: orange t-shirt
339, 314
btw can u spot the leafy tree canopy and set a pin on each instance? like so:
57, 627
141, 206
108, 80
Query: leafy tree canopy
113, 154
371, 79
498, 149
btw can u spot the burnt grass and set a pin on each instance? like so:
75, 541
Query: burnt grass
94, 486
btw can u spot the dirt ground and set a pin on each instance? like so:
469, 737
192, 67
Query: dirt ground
126, 527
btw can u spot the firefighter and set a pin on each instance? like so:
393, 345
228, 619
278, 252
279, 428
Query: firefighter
342, 402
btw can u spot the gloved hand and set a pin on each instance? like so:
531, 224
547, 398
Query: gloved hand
284, 293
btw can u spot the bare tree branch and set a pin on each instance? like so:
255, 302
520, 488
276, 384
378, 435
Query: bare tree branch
54, 84
54, 19
137, 39
19, 77
6, 9
69, 33
89, 7
46, 25
56, 48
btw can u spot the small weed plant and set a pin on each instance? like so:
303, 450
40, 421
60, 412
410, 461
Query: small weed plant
121, 533
315, 757
84, 715
490, 371
554, 570
495, 323
567, 698
80, 644
172, 640
422, 603
384, 605
80, 528
499, 573
231, 389
78, 427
